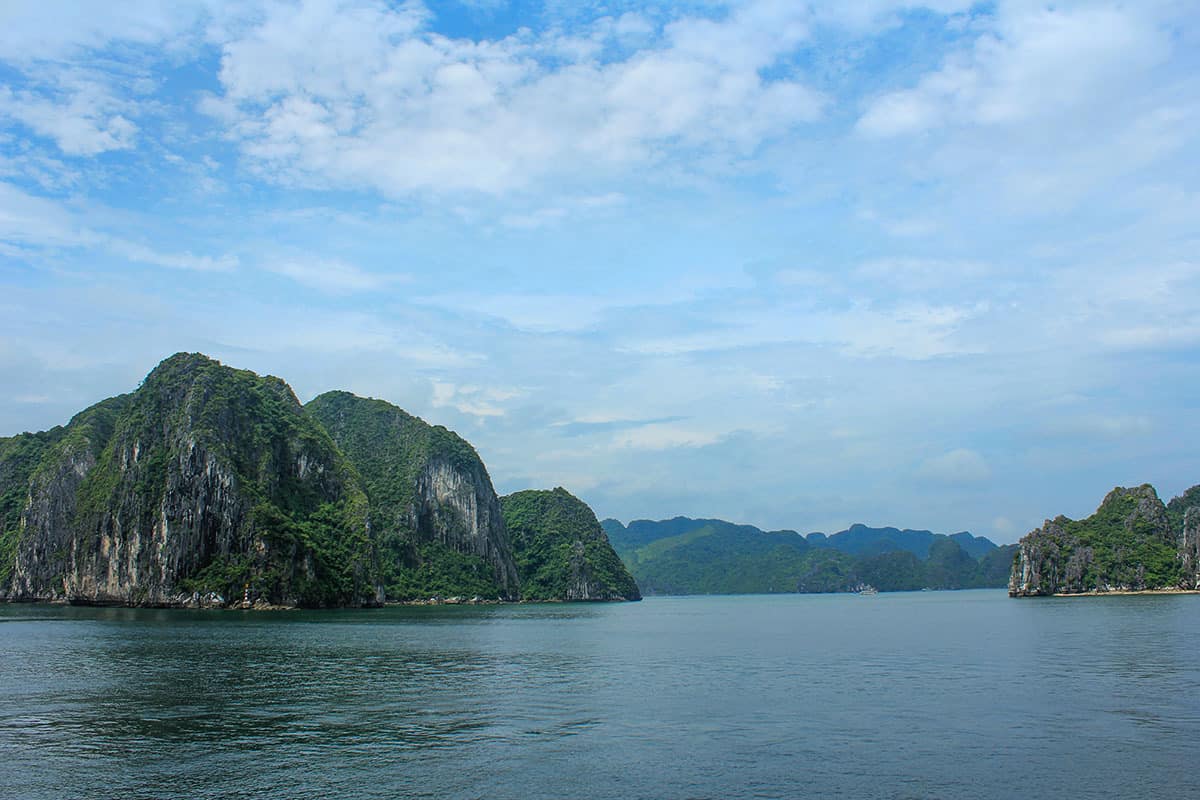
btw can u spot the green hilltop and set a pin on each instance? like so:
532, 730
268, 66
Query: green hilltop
1133, 542
212, 486
562, 551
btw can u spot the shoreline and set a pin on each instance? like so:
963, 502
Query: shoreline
1125, 592
270, 607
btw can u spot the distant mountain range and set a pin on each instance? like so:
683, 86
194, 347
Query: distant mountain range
712, 556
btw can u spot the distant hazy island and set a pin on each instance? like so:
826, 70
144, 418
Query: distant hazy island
1133, 543
211, 486
712, 556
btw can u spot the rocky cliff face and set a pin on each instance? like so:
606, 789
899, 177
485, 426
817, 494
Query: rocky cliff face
1047, 562
1189, 549
210, 486
433, 507
203, 486
561, 550
456, 505
45, 541
1129, 544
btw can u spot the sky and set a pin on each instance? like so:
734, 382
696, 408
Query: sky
799, 265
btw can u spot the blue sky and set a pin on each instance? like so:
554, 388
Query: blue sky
799, 265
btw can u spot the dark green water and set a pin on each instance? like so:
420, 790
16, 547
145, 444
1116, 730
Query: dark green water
941, 694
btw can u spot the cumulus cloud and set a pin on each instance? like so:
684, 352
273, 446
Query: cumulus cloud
364, 94
1039, 63
1045, 105
729, 242
85, 120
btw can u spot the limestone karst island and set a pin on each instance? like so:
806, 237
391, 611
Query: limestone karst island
1133, 543
210, 486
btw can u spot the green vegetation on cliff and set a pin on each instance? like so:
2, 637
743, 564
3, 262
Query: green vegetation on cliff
389, 447
1177, 508
428, 544
209, 483
19, 457
29, 460
561, 551
1131, 542
206, 479
717, 557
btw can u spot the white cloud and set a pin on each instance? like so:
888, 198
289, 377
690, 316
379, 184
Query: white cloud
85, 121
147, 255
1107, 426
363, 94
474, 401
959, 466
915, 330
330, 275
534, 219
567, 206
666, 436
1038, 63
31, 221
923, 275
27, 219
935, 274
31, 30
1042, 109
1004, 527
538, 313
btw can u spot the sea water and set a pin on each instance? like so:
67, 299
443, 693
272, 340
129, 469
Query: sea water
906, 695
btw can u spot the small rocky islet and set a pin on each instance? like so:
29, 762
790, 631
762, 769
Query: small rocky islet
212, 486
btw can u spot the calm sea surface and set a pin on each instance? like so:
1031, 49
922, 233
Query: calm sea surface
937, 694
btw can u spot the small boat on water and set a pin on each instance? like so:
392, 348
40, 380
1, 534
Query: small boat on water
868, 590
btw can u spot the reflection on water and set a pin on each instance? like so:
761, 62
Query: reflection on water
965, 694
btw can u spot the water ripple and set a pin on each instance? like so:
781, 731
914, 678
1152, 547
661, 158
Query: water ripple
954, 695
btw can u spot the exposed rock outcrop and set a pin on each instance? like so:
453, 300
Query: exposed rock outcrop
1189, 549
561, 550
457, 506
1129, 544
213, 487
205, 481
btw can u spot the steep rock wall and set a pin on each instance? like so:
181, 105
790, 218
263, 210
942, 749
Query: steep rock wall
433, 506
207, 483
1189, 549
1127, 545
457, 506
